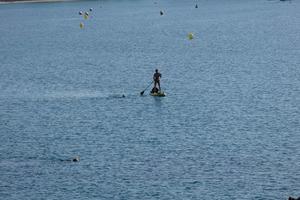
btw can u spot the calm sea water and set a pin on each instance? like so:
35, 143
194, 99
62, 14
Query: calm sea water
228, 129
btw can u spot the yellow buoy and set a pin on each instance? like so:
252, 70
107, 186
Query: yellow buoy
81, 25
191, 36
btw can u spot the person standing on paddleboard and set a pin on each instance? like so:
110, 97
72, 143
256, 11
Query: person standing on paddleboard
156, 79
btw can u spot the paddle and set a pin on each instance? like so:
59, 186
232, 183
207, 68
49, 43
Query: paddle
142, 92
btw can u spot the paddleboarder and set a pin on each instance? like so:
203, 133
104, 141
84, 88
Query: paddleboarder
156, 79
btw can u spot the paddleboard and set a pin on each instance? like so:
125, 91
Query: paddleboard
158, 94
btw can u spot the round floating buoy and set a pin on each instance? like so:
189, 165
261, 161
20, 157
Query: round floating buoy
91, 9
81, 25
161, 12
196, 6
190, 36
86, 15
80, 13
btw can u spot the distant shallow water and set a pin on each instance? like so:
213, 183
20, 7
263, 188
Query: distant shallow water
228, 128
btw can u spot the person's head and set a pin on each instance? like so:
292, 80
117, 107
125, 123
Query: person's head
156, 70
76, 159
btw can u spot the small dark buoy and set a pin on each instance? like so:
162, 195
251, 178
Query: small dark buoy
161, 12
91, 9
80, 13
123, 95
196, 6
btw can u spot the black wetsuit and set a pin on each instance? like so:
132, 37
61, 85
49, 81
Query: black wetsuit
156, 78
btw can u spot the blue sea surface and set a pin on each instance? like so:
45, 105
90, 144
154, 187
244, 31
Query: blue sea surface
229, 127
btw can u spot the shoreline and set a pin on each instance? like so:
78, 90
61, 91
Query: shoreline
32, 1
